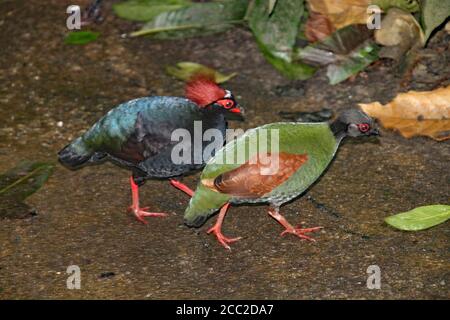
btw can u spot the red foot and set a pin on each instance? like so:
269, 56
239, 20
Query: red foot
221, 238
179, 185
141, 213
217, 228
301, 232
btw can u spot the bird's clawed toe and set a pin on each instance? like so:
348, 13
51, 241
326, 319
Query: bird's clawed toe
141, 213
299, 232
224, 241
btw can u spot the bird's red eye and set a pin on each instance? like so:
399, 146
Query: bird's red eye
226, 103
363, 127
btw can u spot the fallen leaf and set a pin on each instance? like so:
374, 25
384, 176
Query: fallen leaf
81, 37
145, 10
425, 113
406, 5
196, 19
19, 183
399, 32
420, 218
346, 12
186, 70
318, 27
276, 35
272, 4
346, 52
341, 13
434, 13
353, 63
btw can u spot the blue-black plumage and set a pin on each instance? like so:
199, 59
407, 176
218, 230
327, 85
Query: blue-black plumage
138, 134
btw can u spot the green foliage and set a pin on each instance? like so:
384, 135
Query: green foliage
81, 37
276, 25
19, 183
196, 19
145, 10
352, 63
272, 4
186, 70
276, 34
345, 52
405, 5
420, 218
434, 13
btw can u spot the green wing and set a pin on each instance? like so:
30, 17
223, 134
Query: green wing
314, 139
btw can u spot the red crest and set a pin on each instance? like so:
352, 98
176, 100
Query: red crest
203, 91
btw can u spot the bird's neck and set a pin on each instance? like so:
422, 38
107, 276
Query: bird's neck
339, 129
212, 117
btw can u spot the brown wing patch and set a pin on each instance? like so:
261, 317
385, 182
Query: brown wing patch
257, 176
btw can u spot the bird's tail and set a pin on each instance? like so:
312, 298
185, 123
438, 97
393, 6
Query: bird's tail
203, 204
75, 154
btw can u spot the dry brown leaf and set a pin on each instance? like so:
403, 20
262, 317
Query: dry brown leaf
399, 32
447, 27
341, 13
318, 27
398, 26
425, 113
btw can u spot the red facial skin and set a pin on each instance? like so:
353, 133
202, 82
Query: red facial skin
229, 105
204, 91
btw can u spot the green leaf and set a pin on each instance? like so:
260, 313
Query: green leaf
277, 32
276, 35
272, 4
420, 218
346, 52
197, 19
353, 63
186, 70
81, 37
19, 183
434, 13
405, 5
145, 10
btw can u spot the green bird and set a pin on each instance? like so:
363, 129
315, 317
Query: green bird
271, 164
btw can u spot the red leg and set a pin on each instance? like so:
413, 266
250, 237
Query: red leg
289, 228
217, 228
140, 213
179, 185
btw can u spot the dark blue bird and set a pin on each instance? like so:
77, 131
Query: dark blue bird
137, 135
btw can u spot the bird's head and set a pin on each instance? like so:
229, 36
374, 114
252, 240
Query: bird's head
355, 123
209, 96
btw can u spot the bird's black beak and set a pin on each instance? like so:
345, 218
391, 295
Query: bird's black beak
374, 132
236, 113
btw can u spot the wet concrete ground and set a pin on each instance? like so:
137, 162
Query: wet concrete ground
81, 217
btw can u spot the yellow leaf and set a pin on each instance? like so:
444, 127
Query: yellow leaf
397, 27
342, 13
187, 70
399, 32
425, 113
